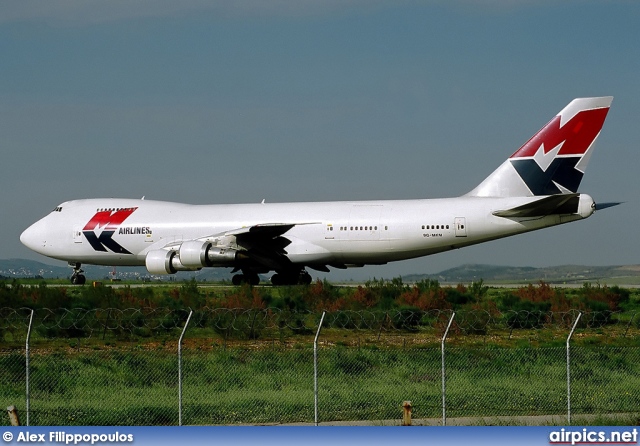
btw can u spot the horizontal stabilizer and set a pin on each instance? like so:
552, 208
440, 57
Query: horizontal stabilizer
553, 204
600, 206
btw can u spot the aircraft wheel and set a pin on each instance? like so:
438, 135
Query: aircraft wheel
305, 278
78, 279
238, 279
279, 279
251, 279
302, 278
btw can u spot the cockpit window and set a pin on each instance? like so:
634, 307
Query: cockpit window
58, 209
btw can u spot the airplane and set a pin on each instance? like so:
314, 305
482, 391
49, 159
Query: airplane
535, 188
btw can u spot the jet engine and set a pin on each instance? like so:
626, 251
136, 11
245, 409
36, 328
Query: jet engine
196, 254
192, 255
165, 262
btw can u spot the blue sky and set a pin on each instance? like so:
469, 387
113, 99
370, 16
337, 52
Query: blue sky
303, 100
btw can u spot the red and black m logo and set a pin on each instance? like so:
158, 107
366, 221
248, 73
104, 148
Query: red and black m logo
550, 162
107, 220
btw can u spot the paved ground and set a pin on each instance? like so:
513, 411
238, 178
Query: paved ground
541, 420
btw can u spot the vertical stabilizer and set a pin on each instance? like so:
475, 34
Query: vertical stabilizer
554, 160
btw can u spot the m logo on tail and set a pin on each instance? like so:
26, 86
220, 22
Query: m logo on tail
554, 160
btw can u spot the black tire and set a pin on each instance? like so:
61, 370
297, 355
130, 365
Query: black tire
305, 278
78, 279
237, 280
302, 278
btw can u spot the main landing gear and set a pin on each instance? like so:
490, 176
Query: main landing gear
291, 278
77, 278
280, 278
250, 278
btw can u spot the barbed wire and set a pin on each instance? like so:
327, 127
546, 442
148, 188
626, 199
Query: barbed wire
87, 322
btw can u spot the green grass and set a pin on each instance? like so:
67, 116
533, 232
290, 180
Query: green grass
237, 386
262, 371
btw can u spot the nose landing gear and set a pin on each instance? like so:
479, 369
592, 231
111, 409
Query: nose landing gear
77, 278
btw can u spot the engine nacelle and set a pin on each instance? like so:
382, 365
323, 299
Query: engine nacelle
222, 256
165, 262
195, 254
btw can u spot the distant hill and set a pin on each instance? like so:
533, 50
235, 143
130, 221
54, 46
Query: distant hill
570, 274
21, 268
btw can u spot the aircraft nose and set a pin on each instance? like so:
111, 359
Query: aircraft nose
34, 236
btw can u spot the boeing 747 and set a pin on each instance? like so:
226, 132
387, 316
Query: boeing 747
534, 188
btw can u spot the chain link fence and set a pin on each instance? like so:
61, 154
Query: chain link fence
121, 367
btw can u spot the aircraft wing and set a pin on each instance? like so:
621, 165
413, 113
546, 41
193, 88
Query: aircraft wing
552, 204
263, 243
268, 230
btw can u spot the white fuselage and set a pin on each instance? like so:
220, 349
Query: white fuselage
325, 233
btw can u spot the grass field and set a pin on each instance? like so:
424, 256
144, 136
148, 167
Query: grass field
251, 362
239, 386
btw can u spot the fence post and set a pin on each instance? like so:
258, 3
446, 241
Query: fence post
444, 393
406, 413
569, 371
13, 416
315, 370
184, 329
27, 366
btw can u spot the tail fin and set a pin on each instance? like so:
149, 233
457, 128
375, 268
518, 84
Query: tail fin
554, 160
